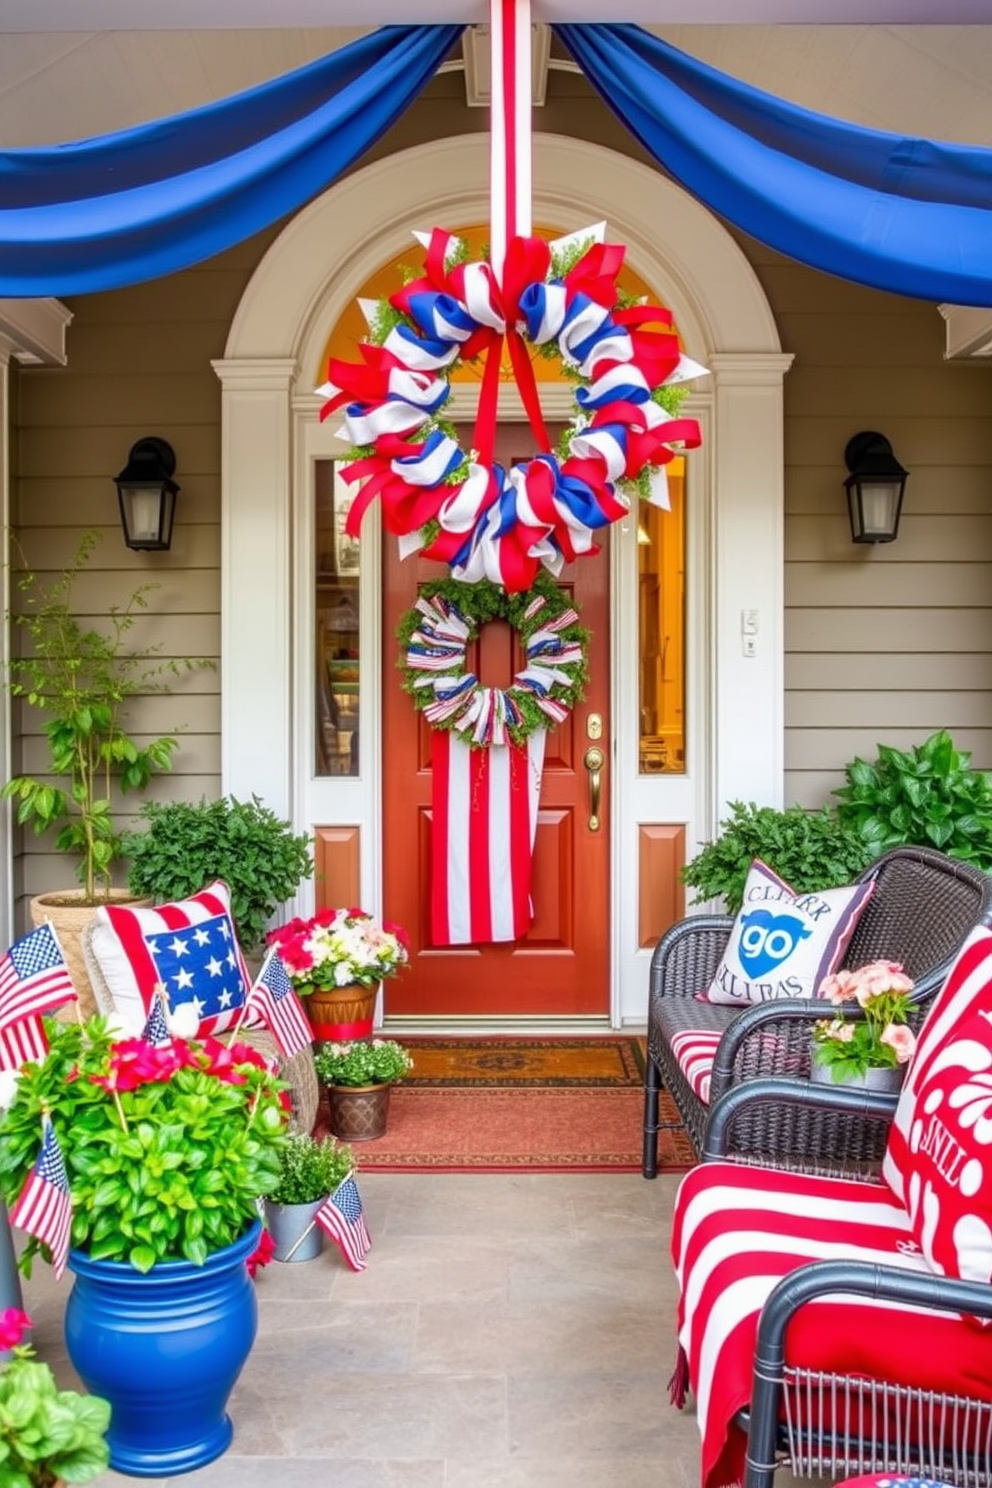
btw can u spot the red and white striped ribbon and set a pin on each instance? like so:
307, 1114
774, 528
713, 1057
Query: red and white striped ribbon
484, 817
509, 126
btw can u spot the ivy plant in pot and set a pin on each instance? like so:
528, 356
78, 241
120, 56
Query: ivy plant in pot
83, 680
312, 1168
188, 844
47, 1435
336, 960
358, 1076
160, 1154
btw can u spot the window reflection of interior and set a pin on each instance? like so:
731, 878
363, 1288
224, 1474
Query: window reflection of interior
661, 625
337, 564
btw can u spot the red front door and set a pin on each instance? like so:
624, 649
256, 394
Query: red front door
561, 967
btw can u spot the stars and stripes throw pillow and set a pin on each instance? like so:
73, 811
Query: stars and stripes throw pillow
190, 948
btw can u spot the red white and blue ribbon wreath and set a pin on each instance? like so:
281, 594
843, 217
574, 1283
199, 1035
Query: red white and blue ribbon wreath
437, 633
462, 508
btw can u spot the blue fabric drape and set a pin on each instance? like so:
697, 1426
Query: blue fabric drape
910, 216
906, 215
103, 213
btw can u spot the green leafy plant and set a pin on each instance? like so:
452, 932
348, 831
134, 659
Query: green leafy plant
312, 1167
167, 1150
82, 680
362, 1062
810, 849
47, 1435
187, 845
928, 795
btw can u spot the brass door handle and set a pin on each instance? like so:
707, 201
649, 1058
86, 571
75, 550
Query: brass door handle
594, 761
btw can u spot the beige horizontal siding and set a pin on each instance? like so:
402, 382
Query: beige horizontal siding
831, 749
874, 582
932, 539
894, 629
850, 708
877, 671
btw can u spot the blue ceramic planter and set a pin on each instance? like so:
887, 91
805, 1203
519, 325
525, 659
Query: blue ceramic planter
165, 1348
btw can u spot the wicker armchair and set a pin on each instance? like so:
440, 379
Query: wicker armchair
923, 906
826, 1423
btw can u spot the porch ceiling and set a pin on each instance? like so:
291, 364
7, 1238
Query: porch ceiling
181, 15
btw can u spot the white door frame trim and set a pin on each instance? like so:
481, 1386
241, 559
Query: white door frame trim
272, 361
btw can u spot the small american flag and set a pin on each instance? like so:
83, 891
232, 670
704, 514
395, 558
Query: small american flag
23, 1043
273, 998
33, 976
341, 1217
156, 1030
44, 1208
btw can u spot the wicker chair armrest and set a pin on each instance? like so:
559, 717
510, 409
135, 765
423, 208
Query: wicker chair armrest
844, 1099
686, 958
767, 1039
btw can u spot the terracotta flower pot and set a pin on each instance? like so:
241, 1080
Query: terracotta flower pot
340, 1013
358, 1113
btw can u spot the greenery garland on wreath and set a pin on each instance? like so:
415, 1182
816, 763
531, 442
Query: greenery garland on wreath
435, 636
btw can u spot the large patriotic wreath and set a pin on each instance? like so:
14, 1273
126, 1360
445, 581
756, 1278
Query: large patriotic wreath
435, 636
464, 509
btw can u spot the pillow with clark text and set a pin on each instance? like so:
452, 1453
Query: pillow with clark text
784, 943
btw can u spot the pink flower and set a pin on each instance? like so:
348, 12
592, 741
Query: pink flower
837, 988
13, 1326
901, 1039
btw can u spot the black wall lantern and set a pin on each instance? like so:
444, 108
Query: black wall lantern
874, 488
147, 494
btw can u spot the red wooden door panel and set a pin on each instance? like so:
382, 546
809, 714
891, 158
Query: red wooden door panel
561, 967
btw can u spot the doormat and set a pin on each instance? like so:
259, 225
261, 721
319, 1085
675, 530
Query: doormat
522, 1105
514, 1062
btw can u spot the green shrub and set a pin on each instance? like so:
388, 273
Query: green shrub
927, 796
810, 849
312, 1168
185, 846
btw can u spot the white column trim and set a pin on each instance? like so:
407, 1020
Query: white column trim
256, 656
747, 558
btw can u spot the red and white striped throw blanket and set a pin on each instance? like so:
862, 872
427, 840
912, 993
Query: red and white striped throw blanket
736, 1232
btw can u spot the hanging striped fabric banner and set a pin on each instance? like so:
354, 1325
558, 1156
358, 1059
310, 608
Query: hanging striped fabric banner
484, 818
509, 127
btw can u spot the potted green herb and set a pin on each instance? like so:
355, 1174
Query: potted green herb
47, 1435
312, 1168
186, 845
359, 1075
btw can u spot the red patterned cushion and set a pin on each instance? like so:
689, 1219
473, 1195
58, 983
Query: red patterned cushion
950, 1186
784, 943
190, 947
967, 991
